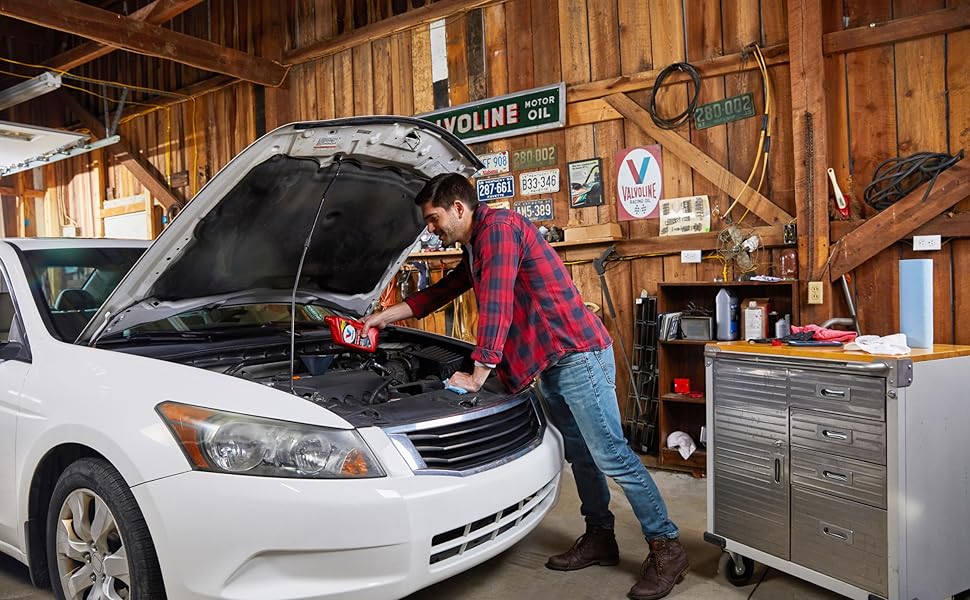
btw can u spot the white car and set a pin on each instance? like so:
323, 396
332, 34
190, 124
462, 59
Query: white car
169, 427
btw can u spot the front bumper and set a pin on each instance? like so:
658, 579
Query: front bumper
235, 537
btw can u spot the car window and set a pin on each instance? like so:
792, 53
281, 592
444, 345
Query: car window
70, 284
8, 313
237, 316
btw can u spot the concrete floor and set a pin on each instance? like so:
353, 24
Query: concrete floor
519, 572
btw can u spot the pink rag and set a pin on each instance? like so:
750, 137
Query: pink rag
823, 333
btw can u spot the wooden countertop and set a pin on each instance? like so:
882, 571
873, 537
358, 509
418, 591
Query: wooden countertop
939, 351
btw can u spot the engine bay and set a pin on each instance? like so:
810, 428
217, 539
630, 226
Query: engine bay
399, 383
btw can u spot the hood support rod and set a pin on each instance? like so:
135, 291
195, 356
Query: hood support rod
299, 272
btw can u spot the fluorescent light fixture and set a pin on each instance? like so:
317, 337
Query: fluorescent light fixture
26, 144
30, 89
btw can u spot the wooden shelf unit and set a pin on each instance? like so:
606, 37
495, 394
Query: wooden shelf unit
685, 359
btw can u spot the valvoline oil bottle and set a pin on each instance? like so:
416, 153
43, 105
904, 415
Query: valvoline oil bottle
350, 333
726, 315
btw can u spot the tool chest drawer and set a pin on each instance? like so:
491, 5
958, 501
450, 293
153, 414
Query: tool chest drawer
843, 477
840, 393
843, 539
751, 386
840, 435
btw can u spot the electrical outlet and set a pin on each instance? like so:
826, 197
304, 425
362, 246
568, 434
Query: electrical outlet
791, 235
926, 242
814, 292
690, 256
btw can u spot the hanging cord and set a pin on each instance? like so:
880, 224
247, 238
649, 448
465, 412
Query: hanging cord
896, 177
764, 138
677, 121
299, 272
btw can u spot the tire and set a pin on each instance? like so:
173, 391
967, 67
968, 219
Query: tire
739, 576
110, 542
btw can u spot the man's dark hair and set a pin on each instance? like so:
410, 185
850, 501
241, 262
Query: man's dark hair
444, 189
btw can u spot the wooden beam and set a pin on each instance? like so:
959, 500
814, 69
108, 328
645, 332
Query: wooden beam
809, 135
156, 13
277, 107
771, 237
141, 169
199, 88
947, 225
937, 22
706, 166
898, 221
129, 34
405, 21
713, 67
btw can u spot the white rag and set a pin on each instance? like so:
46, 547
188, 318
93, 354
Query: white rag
683, 442
894, 344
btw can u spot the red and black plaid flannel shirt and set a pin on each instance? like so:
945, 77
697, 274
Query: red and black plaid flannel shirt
530, 313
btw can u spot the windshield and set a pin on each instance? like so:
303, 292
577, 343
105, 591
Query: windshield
243, 319
70, 284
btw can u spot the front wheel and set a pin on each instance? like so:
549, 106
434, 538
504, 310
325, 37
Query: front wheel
98, 545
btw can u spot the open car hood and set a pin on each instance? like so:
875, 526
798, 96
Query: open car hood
243, 234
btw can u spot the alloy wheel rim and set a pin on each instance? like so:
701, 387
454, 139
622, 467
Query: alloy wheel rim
92, 561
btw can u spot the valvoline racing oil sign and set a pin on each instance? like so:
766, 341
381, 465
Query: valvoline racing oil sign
639, 183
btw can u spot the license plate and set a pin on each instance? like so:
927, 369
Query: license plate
724, 111
533, 158
539, 182
535, 210
496, 187
495, 163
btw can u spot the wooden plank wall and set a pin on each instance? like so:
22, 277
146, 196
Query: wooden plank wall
882, 101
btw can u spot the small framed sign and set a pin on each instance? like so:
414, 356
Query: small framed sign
585, 183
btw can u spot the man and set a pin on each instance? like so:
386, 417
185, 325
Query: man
532, 321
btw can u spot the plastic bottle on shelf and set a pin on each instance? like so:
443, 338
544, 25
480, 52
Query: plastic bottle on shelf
726, 315
755, 321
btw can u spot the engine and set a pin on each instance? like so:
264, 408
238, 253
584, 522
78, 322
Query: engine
395, 382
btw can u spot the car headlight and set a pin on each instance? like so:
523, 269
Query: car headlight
227, 442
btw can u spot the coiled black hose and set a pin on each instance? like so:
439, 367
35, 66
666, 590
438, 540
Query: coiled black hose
677, 121
895, 177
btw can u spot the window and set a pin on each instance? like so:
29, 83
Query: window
70, 284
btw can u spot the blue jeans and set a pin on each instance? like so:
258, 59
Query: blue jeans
580, 392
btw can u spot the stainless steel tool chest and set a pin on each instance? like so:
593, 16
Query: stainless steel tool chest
845, 469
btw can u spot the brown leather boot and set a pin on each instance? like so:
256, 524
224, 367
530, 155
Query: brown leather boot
596, 547
664, 568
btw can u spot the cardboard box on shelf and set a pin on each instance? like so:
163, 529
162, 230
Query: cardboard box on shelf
593, 232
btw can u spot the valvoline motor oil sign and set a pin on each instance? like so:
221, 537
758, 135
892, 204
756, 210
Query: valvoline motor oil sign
639, 183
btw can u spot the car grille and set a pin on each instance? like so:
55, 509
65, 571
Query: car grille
478, 441
455, 542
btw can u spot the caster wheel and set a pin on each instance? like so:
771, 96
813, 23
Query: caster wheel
739, 574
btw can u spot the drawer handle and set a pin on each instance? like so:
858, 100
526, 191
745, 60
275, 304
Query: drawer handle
835, 476
843, 535
777, 470
835, 435
830, 393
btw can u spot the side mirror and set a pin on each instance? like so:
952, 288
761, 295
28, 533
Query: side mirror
10, 350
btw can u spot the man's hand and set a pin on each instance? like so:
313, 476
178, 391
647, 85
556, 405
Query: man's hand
470, 381
393, 314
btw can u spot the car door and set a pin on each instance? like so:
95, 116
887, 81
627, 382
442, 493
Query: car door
14, 364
